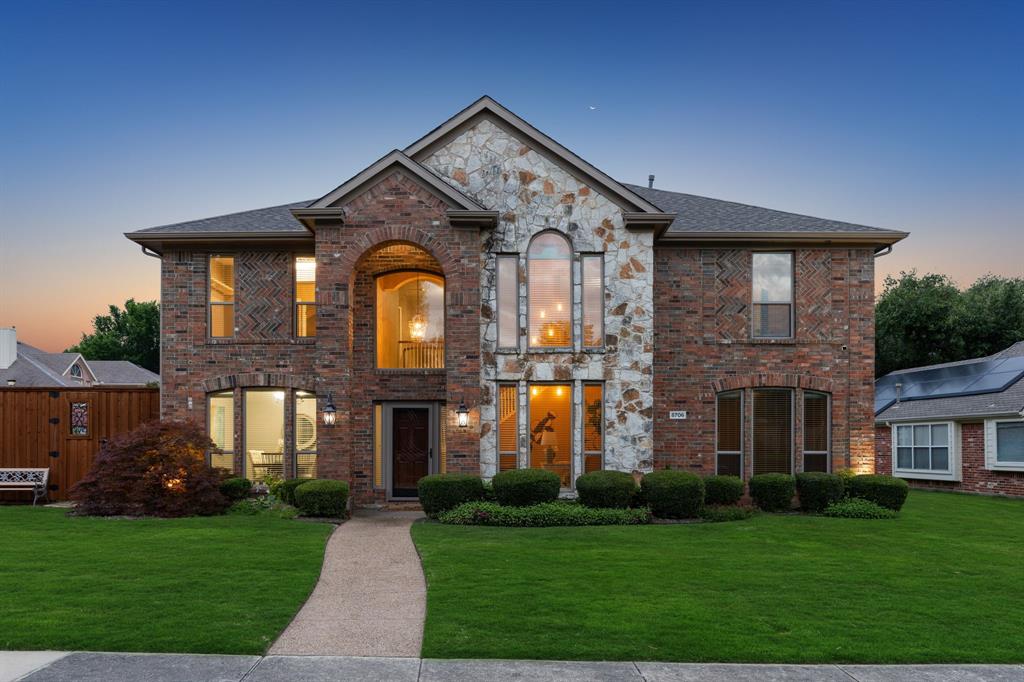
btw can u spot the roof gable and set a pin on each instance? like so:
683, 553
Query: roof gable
488, 107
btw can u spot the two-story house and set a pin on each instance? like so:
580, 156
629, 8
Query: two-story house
485, 299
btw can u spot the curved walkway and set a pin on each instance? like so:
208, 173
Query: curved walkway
371, 597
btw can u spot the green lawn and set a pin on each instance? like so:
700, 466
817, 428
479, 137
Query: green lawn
226, 584
943, 583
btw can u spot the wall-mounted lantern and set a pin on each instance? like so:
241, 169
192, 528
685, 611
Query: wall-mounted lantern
463, 413
330, 411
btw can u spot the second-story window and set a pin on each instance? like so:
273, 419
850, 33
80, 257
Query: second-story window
550, 291
592, 267
222, 296
305, 296
508, 301
772, 295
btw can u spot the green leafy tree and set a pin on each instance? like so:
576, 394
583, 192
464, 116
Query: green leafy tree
131, 334
926, 319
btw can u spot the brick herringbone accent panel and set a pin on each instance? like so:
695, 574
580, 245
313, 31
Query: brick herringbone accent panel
733, 290
264, 295
814, 295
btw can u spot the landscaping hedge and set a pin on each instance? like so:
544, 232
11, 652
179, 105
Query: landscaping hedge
523, 487
324, 498
236, 488
720, 513
606, 489
719, 490
441, 492
541, 515
855, 508
773, 492
673, 494
286, 489
885, 491
818, 490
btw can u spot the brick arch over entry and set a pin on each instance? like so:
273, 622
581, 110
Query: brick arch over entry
773, 379
259, 380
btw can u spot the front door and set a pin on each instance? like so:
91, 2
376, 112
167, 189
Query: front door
411, 444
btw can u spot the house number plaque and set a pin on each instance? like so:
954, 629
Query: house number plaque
677, 414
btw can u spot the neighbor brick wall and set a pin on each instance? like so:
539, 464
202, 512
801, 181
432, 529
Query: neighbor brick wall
702, 346
976, 478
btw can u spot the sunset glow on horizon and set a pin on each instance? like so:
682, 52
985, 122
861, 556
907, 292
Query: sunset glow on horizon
895, 116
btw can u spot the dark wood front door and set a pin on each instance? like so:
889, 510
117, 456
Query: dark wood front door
410, 449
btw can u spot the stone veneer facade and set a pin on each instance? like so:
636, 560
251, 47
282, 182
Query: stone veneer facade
532, 194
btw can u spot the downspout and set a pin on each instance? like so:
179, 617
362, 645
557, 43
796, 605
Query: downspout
154, 254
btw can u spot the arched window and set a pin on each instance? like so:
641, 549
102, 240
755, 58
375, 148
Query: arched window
76, 371
410, 320
550, 291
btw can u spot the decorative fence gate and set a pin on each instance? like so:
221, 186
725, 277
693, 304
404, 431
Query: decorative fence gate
61, 429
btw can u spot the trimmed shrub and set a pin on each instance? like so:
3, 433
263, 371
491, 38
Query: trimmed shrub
322, 497
673, 494
885, 491
523, 487
855, 508
773, 492
818, 490
488, 492
719, 490
236, 488
441, 492
542, 515
157, 469
847, 475
286, 489
269, 506
720, 513
606, 489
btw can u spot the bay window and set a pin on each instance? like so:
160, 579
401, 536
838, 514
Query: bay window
220, 417
221, 298
729, 434
816, 431
305, 296
550, 429
410, 320
773, 431
507, 273
772, 295
923, 450
550, 291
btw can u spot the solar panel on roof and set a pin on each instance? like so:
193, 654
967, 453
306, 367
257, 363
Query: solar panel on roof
974, 378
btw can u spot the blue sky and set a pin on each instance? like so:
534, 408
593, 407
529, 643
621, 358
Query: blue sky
121, 115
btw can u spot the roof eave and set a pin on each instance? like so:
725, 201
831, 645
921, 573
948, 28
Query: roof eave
886, 238
156, 241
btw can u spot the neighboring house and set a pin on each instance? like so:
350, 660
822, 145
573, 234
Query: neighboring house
957, 426
583, 323
25, 366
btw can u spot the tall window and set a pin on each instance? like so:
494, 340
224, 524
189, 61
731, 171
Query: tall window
508, 427
264, 433
550, 291
220, 415
773, 431
305, 435
729, 432
508, 301
593, 427
551, 429
816, 431
222, 296
410, 320
773, 295
305, 296
593, 301
923, 448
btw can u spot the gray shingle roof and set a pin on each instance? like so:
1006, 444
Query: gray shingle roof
122, 373
702, 214
270, 219
1008, 401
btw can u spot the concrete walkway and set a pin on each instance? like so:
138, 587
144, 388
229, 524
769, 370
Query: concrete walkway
371, 598
100, 667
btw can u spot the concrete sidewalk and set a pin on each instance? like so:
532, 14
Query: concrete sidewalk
371, 598
103, 667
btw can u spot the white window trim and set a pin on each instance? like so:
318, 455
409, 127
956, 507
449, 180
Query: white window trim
990, 447
955, 472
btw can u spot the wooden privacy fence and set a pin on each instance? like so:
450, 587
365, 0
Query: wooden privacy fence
61, 429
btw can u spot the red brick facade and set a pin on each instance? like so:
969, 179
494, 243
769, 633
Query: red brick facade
976, 478
703, 345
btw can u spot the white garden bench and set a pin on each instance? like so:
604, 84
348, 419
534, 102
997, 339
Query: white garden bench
30, 480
